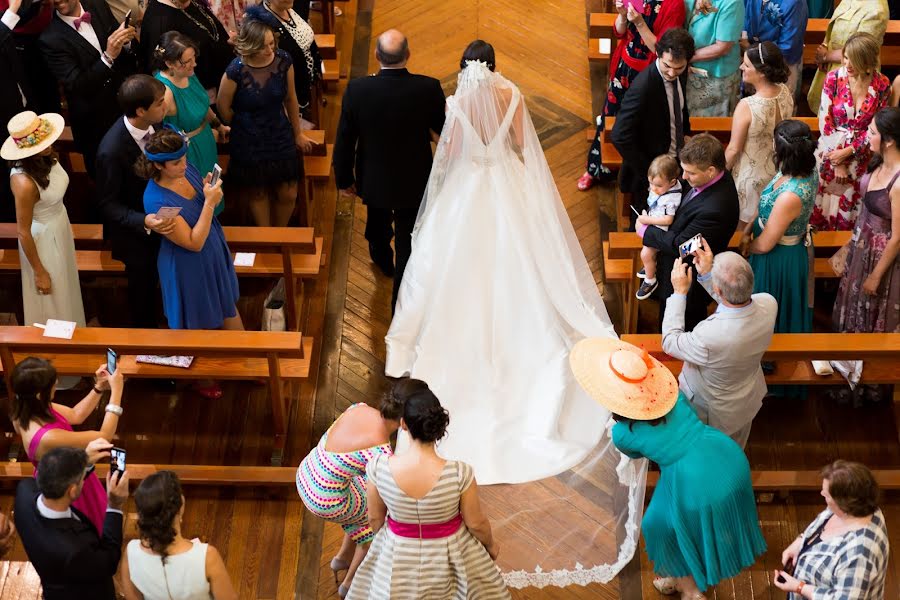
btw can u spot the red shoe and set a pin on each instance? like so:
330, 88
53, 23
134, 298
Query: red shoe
586, 182
210, 392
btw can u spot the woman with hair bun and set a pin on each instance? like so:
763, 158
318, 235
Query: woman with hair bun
331, 479
433, 516
163, 565
749, 151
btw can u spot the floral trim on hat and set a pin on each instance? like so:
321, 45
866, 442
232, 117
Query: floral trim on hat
43, 131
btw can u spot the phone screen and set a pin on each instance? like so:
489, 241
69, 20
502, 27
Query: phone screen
690, 246
112, 359
216, 172
117, 460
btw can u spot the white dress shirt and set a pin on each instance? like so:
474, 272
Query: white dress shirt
672, 147
140, 135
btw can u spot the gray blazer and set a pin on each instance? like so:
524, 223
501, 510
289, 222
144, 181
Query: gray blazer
721, 357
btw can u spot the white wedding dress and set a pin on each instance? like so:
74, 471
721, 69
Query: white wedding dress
496, 293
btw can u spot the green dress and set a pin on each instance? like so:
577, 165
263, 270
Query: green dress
701, 520
192, 103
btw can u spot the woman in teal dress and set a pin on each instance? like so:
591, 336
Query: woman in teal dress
188, 102
701, 525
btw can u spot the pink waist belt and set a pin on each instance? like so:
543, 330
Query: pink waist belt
426, 531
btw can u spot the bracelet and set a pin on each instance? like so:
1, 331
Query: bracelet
98, 391
209, 206
114, 409
799, 590
215, 123
107, 57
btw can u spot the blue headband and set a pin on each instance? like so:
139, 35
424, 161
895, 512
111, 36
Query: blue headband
166, 156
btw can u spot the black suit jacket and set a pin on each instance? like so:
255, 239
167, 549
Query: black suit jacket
89, 85
712, 213
73, 561
385, 133
641, 131
120, 198
12, 77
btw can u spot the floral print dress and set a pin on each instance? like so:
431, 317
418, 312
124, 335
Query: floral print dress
841, 126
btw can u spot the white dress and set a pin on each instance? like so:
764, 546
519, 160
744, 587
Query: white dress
182, 578
496, 293
52, 234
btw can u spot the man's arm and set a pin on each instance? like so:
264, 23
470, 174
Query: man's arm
345, 143
684, 345
65, 67
625, 133
100, 559
109, 188
439, 109
667, 242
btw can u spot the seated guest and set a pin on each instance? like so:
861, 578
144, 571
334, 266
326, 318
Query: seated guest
50, 285
710, 209
433, 516
161, 564
713, 81
701, 525
86, 51
749, 152
782, 22
258, 98
331, 480
653, 117
721, 378
134, 234
194, 19
188, 105
844, 552
73, 560
45, 425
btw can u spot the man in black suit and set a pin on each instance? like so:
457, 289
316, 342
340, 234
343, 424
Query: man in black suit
120, 195
85, 50
653, 118
13, 94
710, 209
72, 559
385, 133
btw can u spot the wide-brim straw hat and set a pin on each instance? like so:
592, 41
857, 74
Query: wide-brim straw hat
30, 134
624, 378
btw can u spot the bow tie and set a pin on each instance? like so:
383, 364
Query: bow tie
84, 18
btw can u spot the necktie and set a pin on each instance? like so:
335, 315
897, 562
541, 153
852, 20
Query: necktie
84, 18
676, 108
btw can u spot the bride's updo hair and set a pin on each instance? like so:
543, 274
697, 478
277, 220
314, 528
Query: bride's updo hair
479, 50
423, 414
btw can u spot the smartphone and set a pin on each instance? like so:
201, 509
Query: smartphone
216, 173
780, 578
637, 5
168, 212
690, 246
117, 460
127, 21
112, 359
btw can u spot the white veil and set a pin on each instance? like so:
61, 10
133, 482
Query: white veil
580, 526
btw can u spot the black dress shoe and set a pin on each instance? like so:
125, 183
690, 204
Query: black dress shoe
385, 267
383, 260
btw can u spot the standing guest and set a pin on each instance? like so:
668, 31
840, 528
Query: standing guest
782, 22
42, 92
637, 34
701, 525
73, 560
187, 102
45, 425
844, 552
748, 155
258, 98
86, 51
50, 285
194, 19
653, 118
710, 209
14, 88
713, 80
161, 564
722, 377
850, 17
134, 234
850, 98
433, 516
331, 480
382, 150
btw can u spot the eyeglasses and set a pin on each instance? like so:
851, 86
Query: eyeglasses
190, 61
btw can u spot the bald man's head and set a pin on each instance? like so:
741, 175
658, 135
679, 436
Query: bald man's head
392, 49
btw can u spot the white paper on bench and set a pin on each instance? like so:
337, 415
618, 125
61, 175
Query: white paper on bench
244, 259
605, 46
182, 362
59, 329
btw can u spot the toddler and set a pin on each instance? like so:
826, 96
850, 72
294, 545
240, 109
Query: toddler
663, 201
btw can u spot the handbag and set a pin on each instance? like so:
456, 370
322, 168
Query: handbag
273, 317
838, 261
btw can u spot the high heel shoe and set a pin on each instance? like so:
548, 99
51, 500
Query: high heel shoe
337, 565
343, 590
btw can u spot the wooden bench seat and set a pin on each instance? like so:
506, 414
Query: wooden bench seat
188, 474
784, 481
327, 44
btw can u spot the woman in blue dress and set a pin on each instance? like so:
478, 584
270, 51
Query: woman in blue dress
701, 525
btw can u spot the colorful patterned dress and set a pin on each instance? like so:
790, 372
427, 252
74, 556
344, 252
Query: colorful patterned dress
332, 485
837, 205
631, 56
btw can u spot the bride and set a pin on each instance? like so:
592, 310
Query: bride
497, 291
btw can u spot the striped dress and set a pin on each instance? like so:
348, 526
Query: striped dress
456, 567
332, 485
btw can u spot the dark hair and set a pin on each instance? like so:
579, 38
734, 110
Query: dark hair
852, 487
38, 167
396, 57
794, 148
171, 47
479, 50
423, 414
158, 500
652, 422
767, 58
139, 91
162, 141
704, 151
887, 122
678, 43
32, 384
392, 402
59, 469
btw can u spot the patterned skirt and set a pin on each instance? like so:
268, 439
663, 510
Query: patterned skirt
712, 96
618, 84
